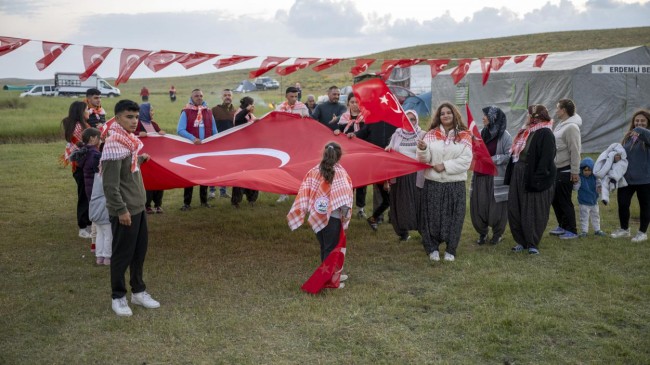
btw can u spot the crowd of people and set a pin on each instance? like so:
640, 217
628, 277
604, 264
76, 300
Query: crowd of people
537, 169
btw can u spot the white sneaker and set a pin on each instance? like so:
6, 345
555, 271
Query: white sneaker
83, 233
343, 277
434, 256
212, 195
449, 257
640, 237
341, 286
282, 198
621, 233
145, 300
121, 307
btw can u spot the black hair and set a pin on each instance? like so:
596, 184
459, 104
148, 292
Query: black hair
92, 92
332, 88
568, 105
331, 155
88, 133
291, 89
246, 101
76, 114
126, 105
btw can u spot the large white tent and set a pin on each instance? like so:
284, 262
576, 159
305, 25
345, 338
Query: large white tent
607, 85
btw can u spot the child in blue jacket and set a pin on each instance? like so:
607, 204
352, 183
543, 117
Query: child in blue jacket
588, 190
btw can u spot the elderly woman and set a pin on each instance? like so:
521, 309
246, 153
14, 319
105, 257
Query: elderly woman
488, 202
531, 178
637, 146
447, 147
405, 190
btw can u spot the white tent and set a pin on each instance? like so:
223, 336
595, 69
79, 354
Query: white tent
607, 85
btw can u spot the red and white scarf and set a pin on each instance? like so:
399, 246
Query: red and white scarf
198, 122
519, 143
286, 107
346, 118
121, 144
439, 134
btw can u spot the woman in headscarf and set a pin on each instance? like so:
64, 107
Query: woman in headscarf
531, 178
405, 190
447, 148
488, 202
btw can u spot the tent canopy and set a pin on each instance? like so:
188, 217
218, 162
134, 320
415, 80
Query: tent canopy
606, 85
245, 86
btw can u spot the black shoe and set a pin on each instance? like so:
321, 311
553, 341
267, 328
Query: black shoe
380, 220
206, 205
186, 207
405, 237
373, 223
481, 239
496, 240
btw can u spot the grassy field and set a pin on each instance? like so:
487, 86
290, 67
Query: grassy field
229, 280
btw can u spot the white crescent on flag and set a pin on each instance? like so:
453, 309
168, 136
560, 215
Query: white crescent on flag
280, 155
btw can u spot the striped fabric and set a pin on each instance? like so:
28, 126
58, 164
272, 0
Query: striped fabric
120, 144
522, 136
439, 134
319, 199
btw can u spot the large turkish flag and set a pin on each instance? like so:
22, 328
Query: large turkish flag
272, 154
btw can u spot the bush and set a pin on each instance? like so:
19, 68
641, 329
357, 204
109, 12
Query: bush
12, 103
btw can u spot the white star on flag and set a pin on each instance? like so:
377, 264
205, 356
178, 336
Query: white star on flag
384, 99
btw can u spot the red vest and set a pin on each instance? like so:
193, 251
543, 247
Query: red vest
207, 122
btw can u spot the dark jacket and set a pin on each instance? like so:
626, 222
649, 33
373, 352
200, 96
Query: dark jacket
377, 133
540, 172
87, 158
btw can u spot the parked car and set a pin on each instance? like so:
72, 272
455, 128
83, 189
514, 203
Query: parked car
266, 83
39, 90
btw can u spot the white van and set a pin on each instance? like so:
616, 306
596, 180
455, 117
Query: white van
39, 90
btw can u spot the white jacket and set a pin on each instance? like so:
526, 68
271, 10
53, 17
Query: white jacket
611, 173
457, 158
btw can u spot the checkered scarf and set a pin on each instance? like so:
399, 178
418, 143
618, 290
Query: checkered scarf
286, 107
120, 144
438, 134
319, 199
198, 122
519, 143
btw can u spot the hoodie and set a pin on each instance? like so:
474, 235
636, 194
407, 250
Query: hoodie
568, 142
588, 186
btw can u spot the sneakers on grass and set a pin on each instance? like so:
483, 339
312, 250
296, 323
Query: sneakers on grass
640, 237
557, 231
434, 256
568, 236
84, 233
621, 233
121, 307
145, 300
600, 234
449, 257
282, 198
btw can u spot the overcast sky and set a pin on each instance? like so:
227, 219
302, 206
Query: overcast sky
290, 28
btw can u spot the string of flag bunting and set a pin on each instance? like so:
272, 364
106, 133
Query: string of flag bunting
131, 59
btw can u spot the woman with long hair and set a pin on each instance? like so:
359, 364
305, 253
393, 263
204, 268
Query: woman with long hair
326, 195
531, 178
447, 148
73, 126
636, 143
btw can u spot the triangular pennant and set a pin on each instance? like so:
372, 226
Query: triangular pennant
486, 66
539, 59
8, 44
498, 62
193, 59
299, 64
520, 59
437, 66
459, 72
329, 62
267, 65
225, 62
51, 51
93, 58
130, 59
361, 65
159, 60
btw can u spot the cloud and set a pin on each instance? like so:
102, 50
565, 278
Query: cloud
325, 18
24, 7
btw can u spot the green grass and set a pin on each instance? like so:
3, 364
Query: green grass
229, 281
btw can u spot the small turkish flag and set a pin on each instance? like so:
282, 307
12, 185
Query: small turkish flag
93, 58
8, 44
437, 66
51, 51
520, 59
375, 99
459, 72
361, 65
539, 59
267, 65
329, 62
129, 61
193, 59
225, 62
486, 66
498, 62
299, 64
388, 65
481, 160
328, 274
159, 60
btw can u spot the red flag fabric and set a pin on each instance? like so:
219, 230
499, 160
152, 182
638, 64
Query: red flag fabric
375, 99
387, 67
260, 156
539, 59
459, 72
267, 65
329, 62
51, 51
299, 64
361, 65
193, 59
437, 66
93, 58
486, 66
159, 60
8, 44
481, 161
129, 61
520, 59
328, 274
225, 62
498, 62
